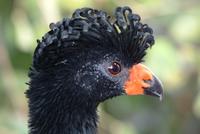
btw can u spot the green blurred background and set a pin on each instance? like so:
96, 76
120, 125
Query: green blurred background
175, 59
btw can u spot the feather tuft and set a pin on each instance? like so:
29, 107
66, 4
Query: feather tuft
94, 27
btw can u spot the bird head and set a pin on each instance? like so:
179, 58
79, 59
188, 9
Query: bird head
91, 57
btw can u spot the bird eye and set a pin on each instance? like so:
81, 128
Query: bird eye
115, 68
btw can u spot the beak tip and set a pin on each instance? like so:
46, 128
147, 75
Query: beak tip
156, 89
161, 98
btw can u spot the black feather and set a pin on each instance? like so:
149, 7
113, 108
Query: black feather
126, 34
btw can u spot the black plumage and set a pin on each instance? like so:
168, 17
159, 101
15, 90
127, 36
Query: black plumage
68, 78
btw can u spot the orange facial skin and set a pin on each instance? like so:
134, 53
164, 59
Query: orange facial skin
135, 85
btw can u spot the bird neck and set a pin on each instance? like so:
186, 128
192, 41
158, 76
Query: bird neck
58, 109
70, 119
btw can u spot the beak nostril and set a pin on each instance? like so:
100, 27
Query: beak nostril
147, 81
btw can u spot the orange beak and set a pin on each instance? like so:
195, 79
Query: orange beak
141, 81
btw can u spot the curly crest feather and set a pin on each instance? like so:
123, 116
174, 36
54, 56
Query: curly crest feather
88, 27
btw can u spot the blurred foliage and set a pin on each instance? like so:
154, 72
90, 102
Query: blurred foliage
175, 59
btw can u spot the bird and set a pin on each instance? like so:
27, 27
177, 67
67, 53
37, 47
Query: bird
84, 60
